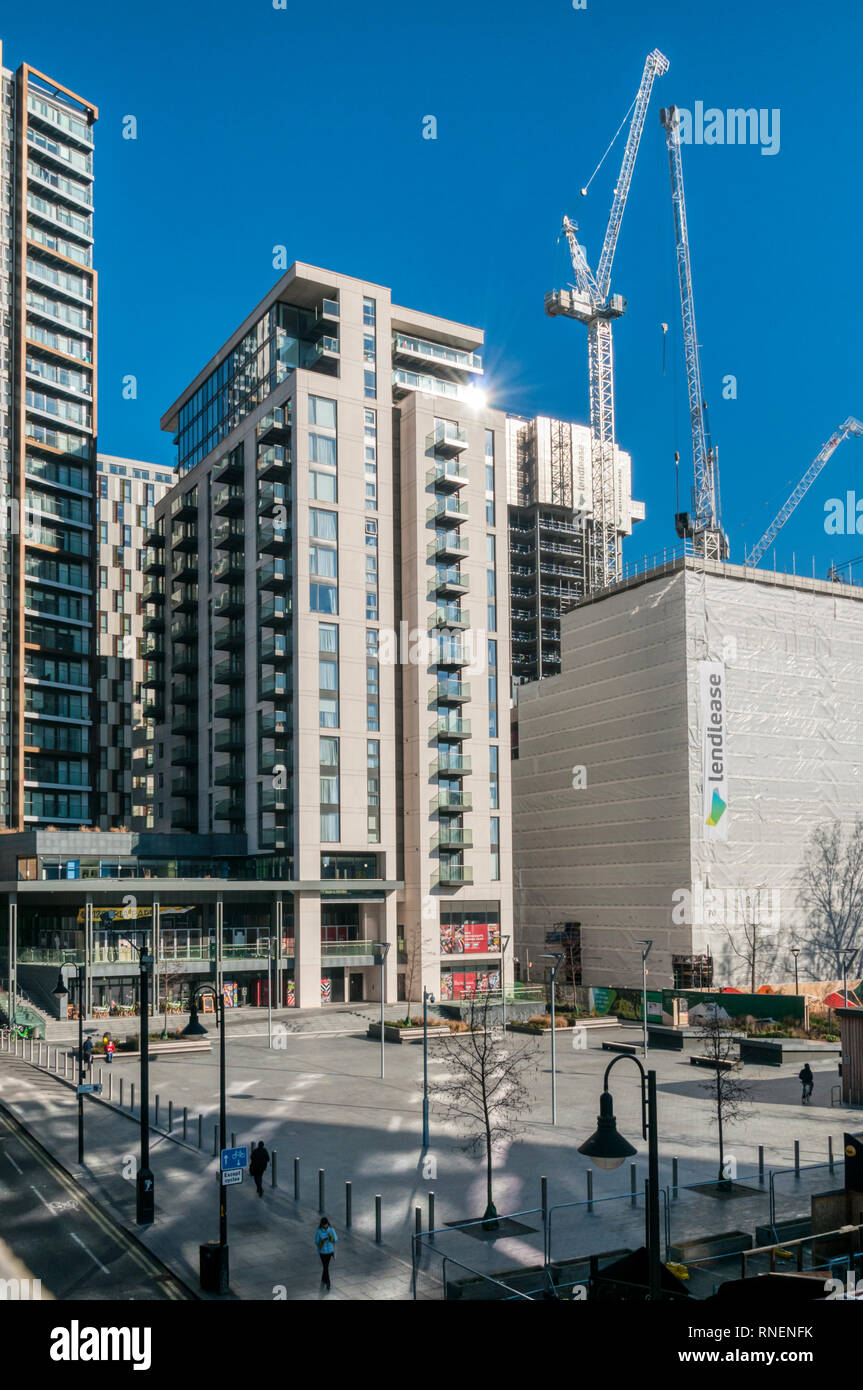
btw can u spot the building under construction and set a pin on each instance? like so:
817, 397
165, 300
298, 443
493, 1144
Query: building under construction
707, 719
550, 496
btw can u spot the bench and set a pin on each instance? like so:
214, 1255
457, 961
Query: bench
716, 1064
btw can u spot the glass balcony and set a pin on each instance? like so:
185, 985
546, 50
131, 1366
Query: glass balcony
230, 637
450, 728
230, 774
154, 622
276, 650
231, 568
273, 495
447, 511
154, 591
230, 534
452, 837
447, 473
276, 612
447, 765
185, 785
451, 654
450, 615
274, 463
231, 468
185, 506
233, 810
185, 537
451, 692
272, 538
230, 706
232, 740
447, 439
154, 562
184, 629
274, 427
276, 724
154, 707
423, 350
449, 801
275, 574
185, 754
230, 604
185, 693
278, 800
231, 671
276, 686
452, 875
185, 599
153, 650
184, 721
276, 837
185, 660
452, 547
230, 500
184, 567
185, 818
448, 582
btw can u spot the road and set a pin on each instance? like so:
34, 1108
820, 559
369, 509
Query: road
61, 1236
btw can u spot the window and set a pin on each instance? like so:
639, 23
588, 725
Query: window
323, 598
328, 675
324, 525
373, 779
494, 825
368, 312
370, 451
373, 718
492, 707
323, 561
322, 487
494, 777
330, 793
322, 412
323, 449
103, 576
103, 532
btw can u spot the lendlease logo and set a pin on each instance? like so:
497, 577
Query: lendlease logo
77, 1343
735, 126
714, 750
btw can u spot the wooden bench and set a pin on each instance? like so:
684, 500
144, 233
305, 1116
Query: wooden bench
720, 1064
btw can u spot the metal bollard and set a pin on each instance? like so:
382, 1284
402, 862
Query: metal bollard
418, 1220
274, 1160
185, 1120
132, 1101
633, 1184
296, 1179
65, 1064
156, 1111
761, 1163
589, 1190
170, 1115
200, 1131
111, 1084
830, 1152
674, 1176
543, 1189
121, 1091
431, 1217
378, 1222
347, 1205
321, 1190
797, 1158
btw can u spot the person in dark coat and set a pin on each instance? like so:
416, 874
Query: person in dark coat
258, 1164
807, 1080
87, 1052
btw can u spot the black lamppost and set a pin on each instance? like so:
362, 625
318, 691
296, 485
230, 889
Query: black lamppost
61, 992
214, 1279
608, 1149
145, 1186
795, 951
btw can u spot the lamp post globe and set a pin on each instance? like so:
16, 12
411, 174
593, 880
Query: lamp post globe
606, 1148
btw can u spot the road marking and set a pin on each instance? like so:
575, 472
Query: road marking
14, 1164
39, 1195
395, 1123
89, 1252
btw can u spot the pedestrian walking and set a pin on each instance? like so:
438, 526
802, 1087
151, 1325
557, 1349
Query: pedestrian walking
808, 1081
258, 1164
87, 1053
109, 1051
325, 1240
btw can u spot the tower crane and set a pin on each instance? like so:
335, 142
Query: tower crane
590, 302
851, 426
702, 526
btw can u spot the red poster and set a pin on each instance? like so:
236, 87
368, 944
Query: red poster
475, 938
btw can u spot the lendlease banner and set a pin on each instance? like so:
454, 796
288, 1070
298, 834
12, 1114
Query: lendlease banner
714, 745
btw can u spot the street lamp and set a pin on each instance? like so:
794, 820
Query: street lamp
557, 957
145, 1185
427, 999
607, 1149
61, 992
795, 951
645, 952
383, 948
845, 952
194, 1029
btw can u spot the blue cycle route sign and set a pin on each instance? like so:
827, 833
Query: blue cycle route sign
235, 1158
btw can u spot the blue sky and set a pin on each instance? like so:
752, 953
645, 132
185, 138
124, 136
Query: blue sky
303, 126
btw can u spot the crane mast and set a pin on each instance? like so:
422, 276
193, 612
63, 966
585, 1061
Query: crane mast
703, 527
851, 426
591, 303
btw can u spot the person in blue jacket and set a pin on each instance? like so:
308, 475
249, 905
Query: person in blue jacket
325, 1240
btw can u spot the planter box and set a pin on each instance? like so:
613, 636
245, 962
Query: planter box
394, 1034
715, 1064
702, 1247
524, 1028
155, 1049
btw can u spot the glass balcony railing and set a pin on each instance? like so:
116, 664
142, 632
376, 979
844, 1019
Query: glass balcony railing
450, 581
452, 875
450, 728
447, 438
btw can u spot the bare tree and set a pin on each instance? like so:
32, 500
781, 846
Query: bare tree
726, 1090
485, 1092
746, 934
831, 891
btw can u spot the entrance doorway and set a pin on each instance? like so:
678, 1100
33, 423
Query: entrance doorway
355, 987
